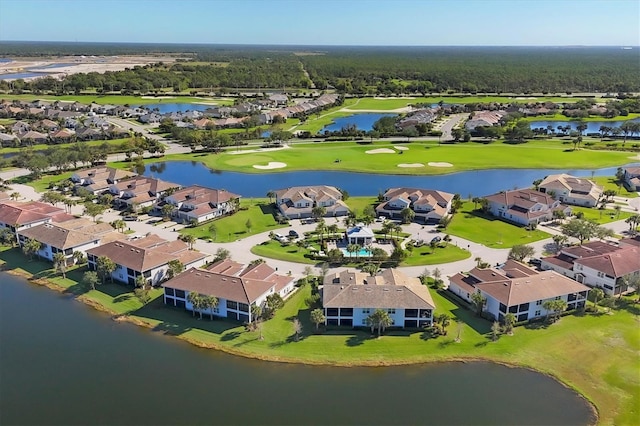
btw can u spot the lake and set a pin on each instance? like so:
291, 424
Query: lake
361, 121
19, 75
475, 183
592, 126
174, 107
66, 364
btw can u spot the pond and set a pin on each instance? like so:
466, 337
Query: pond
164, 108
475, 183
19, 75
592, 126
65, 364
361, 121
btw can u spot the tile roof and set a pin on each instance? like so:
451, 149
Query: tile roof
391, 289
616, 264
147, 253
17, 214
221, 286
72, 233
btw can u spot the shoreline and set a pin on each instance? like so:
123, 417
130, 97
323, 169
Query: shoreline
114, 316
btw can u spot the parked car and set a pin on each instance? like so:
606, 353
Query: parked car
535, 262
436, 239
131, 218
281, 238
381, 219
418, 243
293, 234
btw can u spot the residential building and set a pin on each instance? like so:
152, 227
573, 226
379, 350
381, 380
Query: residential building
525, 206
484, 119
18, 216
428, 205
139, 191
571, 190
148, 256
236, 287
632, 178
76, 235
361, 235
599, 264
199, 203
298, 202
518, 289
99, 179
349, 298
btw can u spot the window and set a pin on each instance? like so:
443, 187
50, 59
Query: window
557, 298
232, 305
391, 311
366, 310
364, 321
537, 313
539, 302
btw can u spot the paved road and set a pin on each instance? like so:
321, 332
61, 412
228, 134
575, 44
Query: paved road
241, 250
448, 125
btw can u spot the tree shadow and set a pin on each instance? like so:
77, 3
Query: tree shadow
122, 298
357, 339
230, 336
446, 342
537, 325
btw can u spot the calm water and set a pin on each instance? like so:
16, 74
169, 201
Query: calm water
16, 76
64, 364
362, 122
592, 126
173, 107
474, 183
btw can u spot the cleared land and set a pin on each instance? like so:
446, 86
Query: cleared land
595, 354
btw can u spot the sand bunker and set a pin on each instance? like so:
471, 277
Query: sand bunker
440, 164
158, 97
271, 165
401, 148
380, 151
411, 165
249, 151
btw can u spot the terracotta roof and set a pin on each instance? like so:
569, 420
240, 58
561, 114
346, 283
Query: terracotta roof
219, 285
616, 264
428, 196
312, 192
226, 267
17, 214
147, 253
72, 233
391, 289
545, 285
521, 197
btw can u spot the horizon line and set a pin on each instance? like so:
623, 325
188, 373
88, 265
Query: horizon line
317, 45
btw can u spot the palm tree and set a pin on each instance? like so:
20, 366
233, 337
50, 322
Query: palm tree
174, 268
597, 294
617, 208
60, 263
91, 279
119, 224
297, 328
31, 247
14, 196
105, 267
633, 221
194, 299
209, 302
509, 322
479, 301
318, 211
271, 195
141, 281
332, 229
317, 317
320, 228
352, 248
256, 315
189, 239
407, 215
379, 319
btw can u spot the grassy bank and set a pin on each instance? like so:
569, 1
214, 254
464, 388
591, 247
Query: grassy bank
119, 99
595, 354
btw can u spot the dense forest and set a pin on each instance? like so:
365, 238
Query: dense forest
353, 70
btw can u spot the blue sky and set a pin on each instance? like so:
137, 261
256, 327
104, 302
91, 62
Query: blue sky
326, 22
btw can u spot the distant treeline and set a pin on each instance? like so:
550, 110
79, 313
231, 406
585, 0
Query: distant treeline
354, 70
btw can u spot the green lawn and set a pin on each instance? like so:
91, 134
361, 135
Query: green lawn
600, 216
231, 228
424, 255
272, 249
386, 104
42, 184
595, 354
358, 204
610, 182
561, 117
463, 157
489, 231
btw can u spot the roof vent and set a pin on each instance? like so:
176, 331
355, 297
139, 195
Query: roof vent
505, 284
385, 289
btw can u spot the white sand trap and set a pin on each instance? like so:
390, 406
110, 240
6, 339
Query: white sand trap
380, 151
158, 97
271, 165
249, 151
440, 164
401, 148
637, 157
411, 165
